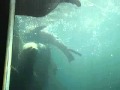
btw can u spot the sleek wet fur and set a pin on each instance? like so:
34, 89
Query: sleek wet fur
38, 8
31, 69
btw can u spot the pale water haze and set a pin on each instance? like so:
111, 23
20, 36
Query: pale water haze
93, 30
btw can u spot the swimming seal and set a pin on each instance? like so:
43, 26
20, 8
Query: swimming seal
39, 8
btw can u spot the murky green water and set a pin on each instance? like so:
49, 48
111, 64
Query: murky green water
94, 31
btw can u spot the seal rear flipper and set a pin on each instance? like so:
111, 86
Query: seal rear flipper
75, 52
70, 57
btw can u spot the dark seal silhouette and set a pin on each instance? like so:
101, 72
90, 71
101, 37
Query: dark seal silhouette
31, 70
39, 8
41, 36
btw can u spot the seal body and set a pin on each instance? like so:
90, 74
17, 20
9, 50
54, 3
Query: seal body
31, 71
39, 8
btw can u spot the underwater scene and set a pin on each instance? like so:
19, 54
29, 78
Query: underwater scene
74, 48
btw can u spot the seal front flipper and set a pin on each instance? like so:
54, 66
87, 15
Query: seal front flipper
13, 69
14, 76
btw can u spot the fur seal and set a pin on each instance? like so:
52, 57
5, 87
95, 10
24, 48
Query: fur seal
39, 8
41, 36
31, 70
